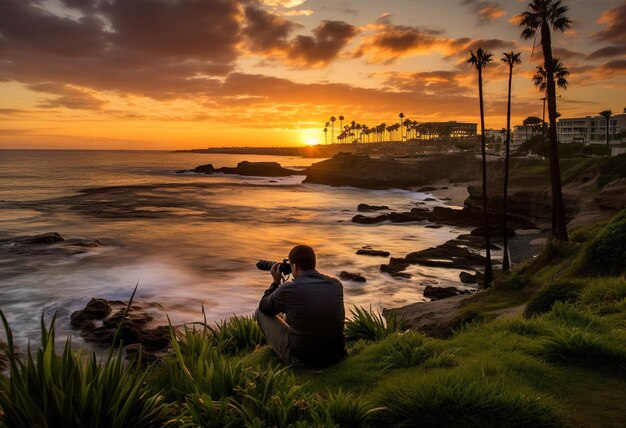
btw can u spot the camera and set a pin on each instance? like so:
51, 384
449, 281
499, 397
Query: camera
284, 267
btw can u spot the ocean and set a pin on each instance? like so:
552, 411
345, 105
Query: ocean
187, 240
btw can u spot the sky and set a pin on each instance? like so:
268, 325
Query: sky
183, 74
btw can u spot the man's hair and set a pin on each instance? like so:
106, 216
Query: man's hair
302, 256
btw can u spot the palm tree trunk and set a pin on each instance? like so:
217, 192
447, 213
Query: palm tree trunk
559, 227
488, 267
506, 263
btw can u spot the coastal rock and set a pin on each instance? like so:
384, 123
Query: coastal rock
365, 172
468, 278
361, 219
438, 293
43, 239
133, 330
96, 309
257, 169
260, 169
204, 169
433, 226
429, 200
348, 276
370, 252
427, 189
366, 207
395, 268
613, 196
494, 231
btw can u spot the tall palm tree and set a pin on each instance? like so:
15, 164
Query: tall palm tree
480, 60
401, 115
333, 119
511, 59
341, 118
538, 19
325, 135
607, 115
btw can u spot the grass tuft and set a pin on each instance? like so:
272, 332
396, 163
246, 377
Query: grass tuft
454, 400
409, 351
370, 325
544, 299
605, 255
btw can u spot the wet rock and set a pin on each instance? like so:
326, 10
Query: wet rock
427, 189
429, 200
260, 169
468, 278
87, 243
406, 217
361, 219
133, 325
395, 268
366, 207
43, 239
434, 226
96, 309
204, 169
438, 293
370, 252
137, 350
348, 276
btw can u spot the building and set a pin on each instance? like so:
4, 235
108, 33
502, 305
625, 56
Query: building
521, 134
590, 129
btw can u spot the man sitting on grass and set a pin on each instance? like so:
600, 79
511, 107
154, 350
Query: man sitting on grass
312, 333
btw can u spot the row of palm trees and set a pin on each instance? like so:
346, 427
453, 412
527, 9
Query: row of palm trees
408, 129
538, 21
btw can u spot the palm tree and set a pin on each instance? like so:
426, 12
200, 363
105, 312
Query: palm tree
401, 115
341, 118
511, 59
540, 79
326, 135
607, 115
332, 129
480, 60
537, 20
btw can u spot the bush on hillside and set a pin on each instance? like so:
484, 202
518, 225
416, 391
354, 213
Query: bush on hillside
611, 169
544, 299
605, 255
471, 400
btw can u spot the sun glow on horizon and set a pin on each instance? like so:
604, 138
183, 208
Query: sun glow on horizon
310, 137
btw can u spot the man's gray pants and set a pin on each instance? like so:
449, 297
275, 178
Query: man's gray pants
276, 332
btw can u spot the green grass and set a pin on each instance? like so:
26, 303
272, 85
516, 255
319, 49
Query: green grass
544, 299
370, 325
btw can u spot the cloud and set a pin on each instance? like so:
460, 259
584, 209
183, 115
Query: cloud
614, 21
608, 51
67, 97
486, 11
283, 3
267, 32
328, 39
386, 42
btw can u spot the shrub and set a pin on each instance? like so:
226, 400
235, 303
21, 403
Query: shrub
604, 291
54, 390
345, 410
612, 169
408, 352
370, 325
237, 334
605, 255
515, 281
542, 301
581, 347
469, 401
199, 368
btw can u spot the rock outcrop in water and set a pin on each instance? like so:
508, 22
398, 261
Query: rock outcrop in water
349, 276
369, 173
98, 323
257, 169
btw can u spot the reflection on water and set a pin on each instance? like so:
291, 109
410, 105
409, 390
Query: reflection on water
186, 239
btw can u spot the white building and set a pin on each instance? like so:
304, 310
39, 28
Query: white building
521, 134
590, 129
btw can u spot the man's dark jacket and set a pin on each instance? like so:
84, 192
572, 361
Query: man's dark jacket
313, 303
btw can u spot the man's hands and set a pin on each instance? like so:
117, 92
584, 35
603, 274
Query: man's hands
275, 271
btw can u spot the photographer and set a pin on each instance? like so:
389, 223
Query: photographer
312, 333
